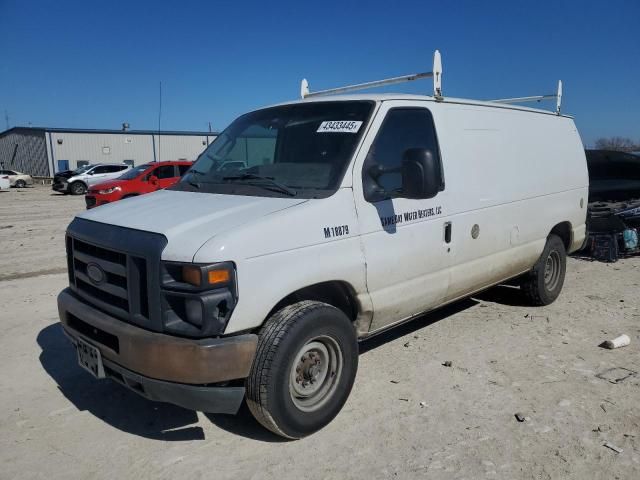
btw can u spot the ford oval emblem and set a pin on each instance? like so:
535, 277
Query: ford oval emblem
95, 273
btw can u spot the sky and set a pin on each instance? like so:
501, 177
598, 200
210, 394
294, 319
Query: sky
90, 64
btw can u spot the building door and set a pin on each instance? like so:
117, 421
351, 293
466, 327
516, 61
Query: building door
63, 165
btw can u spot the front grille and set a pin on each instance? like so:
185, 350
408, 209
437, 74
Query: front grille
105, 278
117, 270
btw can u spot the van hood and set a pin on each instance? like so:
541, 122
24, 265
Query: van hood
186, 219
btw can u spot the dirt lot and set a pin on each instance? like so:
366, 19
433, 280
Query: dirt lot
57, 422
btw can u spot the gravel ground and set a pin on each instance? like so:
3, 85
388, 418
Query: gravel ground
409, 416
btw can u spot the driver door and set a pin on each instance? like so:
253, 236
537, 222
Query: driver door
403, 239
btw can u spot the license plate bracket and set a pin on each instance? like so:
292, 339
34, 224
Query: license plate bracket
89, 358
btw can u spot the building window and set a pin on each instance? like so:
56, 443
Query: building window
129, 162
106, 150
82, 163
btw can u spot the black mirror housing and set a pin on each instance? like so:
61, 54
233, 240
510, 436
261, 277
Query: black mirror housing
421, 174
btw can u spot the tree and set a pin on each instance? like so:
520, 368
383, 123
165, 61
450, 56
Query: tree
620, 144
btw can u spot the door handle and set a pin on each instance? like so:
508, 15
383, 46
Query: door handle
447, 232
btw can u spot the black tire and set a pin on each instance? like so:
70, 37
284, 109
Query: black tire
20, 184
77, 188
543, 283
289, 347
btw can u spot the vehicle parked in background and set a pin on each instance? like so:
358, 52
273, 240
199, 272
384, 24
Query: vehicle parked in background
84, 177
5, 183
63, 175
613, 213
346, 216
137, 181
17, 179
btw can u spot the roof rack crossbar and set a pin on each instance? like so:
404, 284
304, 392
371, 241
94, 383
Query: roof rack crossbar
536, 98
436, 74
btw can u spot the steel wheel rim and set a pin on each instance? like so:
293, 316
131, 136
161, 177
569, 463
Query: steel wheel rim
552, 270
315, 372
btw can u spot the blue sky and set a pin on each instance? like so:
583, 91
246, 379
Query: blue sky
90, 64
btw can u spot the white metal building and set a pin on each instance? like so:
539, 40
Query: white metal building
45, 151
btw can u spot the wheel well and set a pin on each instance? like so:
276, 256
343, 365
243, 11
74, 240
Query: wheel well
564, 231
339, 294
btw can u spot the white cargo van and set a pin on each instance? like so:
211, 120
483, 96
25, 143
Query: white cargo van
346, 215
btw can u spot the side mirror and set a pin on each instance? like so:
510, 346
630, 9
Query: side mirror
90, 173
153, 179
421, 174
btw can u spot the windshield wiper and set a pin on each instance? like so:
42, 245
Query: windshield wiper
270, 182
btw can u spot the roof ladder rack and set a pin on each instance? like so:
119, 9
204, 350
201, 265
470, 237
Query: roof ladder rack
436, 74
536, 98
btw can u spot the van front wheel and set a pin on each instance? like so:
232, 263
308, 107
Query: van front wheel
543, 283
304, 369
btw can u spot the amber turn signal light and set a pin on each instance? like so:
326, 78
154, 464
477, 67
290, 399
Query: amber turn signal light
218, 276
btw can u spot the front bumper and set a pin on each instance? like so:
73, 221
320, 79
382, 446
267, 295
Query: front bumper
60, 187
162, 367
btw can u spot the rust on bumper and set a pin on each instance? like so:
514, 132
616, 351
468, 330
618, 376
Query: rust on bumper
155, 355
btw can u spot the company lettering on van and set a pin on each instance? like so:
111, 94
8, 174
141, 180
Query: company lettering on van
410, 216
339, 126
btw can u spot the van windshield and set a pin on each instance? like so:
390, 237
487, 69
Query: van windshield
299, 150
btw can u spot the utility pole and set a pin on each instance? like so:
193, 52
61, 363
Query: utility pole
159, 118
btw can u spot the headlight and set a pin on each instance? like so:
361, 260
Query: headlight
213, 276
198, 299
109, 190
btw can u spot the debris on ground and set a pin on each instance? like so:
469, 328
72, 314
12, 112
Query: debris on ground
404, 399
520, 417
394, 381
613, 447
621, 341
447, 363
423, 404
616, 374
407, 345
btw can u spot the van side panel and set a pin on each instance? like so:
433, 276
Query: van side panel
511, 176
317, 241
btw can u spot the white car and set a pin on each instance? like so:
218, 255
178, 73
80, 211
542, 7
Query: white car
17, 179
351, 214
5, 183
84, 177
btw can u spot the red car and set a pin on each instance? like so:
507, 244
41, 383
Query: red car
137, 181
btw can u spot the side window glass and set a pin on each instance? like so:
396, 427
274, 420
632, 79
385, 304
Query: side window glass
98, 170
402, 129
165, 171
183, 169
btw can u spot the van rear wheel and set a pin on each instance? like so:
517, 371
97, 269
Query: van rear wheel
543, 284
304, 369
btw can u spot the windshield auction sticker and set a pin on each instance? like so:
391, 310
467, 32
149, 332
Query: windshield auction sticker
339, 126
